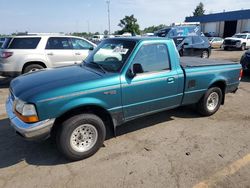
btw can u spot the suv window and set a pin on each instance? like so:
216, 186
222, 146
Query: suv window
197, 40
59, 43
80, 44
24, 43
153, 58
248, 37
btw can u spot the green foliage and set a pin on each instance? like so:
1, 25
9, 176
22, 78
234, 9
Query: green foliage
199, 10
129, 24
106, 32
153, 28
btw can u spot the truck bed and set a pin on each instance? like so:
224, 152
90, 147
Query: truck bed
200, 62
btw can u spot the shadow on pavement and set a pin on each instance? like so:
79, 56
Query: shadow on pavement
4, 82
246, 78
151, 120
14, 149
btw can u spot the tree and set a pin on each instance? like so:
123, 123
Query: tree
106, 32
199, 10
153, 28
129, 24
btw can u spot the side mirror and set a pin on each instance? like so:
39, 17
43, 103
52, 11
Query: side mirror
137, 68
186, 44
91, 48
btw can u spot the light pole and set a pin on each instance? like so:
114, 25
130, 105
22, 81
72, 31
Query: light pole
108, 3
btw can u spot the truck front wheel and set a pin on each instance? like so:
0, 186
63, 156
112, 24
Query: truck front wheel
81, 136
210, 102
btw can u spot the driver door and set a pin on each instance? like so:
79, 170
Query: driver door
153, 89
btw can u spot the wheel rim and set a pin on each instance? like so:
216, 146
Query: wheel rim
212, 101
83, 138
33, 70
204, 55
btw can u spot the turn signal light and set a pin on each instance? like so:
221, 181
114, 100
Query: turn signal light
27, 119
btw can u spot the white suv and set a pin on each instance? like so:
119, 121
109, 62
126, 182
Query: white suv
22, 54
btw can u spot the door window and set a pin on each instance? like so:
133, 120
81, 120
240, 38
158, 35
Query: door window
79, 44
153, 58
59, 43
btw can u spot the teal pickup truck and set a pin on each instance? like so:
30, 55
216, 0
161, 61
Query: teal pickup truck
138, 76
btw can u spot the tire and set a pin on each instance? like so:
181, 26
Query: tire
80, 136
32, 68
204, 54
243, 47
210, 102
226, 48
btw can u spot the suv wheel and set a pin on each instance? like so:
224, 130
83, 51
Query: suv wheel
210, 102
32, 68
204, 54
81, 136
243, 47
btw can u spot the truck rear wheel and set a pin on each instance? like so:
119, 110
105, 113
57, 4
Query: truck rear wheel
210, 102
81, 136
204, 54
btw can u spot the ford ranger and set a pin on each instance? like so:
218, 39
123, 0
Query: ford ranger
78, 104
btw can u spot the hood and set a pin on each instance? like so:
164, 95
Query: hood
233, 38
33, 84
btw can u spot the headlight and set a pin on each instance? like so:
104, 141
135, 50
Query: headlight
26, 112
238, 43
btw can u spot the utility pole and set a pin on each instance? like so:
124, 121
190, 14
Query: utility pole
108, 3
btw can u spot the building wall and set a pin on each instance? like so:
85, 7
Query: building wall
217, 28
214, 28
246, 25
221, 29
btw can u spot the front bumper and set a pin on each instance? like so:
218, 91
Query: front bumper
30, 131
231, 46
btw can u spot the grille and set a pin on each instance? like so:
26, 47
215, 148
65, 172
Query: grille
230, 42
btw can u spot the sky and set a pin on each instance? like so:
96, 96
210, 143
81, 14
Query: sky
91, 15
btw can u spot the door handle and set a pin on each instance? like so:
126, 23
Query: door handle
51, 53
77, 53
170, 80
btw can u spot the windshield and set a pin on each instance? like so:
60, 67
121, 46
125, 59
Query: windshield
240, 36
110, 55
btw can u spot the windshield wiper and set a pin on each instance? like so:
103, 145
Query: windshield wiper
97, 65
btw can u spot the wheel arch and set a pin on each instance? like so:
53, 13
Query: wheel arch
222, 85
32, 63
97, 110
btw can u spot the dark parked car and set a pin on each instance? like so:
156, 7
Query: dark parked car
193, 46
245, 61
